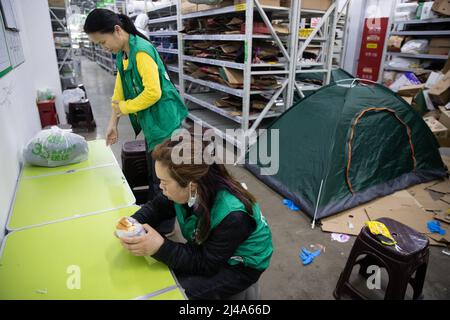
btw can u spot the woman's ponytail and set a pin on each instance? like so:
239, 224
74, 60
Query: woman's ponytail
128, 25
104, 21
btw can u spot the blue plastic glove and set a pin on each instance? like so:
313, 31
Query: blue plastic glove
307, 256
435, 227
288, 203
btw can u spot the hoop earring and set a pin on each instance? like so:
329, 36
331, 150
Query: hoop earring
192, 198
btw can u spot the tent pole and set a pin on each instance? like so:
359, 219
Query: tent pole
317, 205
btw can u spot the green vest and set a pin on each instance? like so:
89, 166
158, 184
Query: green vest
255, 252
160, 120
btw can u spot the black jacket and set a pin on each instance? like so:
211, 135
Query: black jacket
206, 258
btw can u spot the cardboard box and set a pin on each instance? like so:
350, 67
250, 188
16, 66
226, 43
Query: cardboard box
188, 7
439, 46
395, 43
261, 28
443, 51
438, 129
442, 7
440, 42
440, 92
427, 12
409, 100
232, 76
410, 91
56, 3
443, 142
433, 78
446, 67
310, 4
316, 4
406, 79
444, 117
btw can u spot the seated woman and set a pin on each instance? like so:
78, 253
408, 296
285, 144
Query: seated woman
229, 244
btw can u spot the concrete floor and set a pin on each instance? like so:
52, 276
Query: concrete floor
286, 277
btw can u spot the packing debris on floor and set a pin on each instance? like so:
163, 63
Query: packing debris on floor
414, 207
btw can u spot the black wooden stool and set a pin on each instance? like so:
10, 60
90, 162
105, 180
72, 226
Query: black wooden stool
80, 115
401, 261
135, 168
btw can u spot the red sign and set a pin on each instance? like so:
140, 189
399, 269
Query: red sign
372, 44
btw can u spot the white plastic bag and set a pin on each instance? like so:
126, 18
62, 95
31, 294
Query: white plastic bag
72, 96
406, 7
415, 46
45, 95
55, 147
399, 62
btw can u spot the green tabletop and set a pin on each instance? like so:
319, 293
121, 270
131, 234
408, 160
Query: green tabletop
174, 294
63, 196
79, 259
99, 155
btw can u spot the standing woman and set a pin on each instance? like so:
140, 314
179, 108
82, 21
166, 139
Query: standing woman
143, 88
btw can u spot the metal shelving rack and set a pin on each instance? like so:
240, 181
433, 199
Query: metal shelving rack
202, 107
167, 22
290, 46
88, 50
323, 36
64, 50
400, 28
341, 32
104, 59
163, 25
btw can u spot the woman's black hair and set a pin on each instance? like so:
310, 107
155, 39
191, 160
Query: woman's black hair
104, 21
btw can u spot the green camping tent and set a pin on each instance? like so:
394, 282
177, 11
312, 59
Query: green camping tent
347, 144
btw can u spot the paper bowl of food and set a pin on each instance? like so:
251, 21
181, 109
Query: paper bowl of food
128, 227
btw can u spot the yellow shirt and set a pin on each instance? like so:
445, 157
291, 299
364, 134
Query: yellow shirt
148, 70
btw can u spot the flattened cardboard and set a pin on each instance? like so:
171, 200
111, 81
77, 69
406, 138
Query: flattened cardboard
446, 161
440, 92
414, 219
441, 187
410, 91
443, 216
446, 198
233, 76
442, 7
230, 47
398, 201
444, 117
441, 238
409, 100
347, 222
438, 129
428, 199
434, 242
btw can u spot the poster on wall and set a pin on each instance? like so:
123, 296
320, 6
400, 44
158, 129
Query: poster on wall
5, 63
372, 44
15, 48
9, 15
